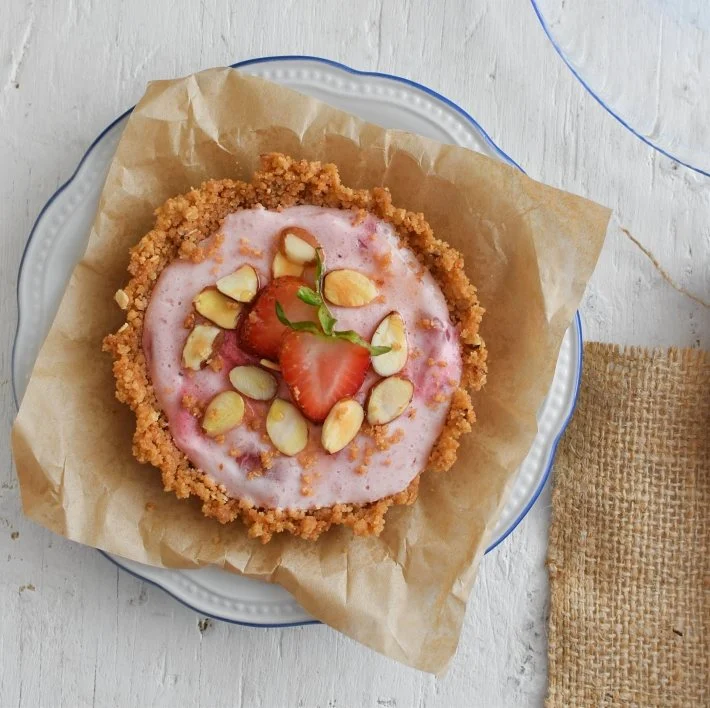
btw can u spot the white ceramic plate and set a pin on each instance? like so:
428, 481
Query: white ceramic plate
59, 237
644, 62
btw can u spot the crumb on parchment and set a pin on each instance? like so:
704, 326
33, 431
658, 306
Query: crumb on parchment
181, 224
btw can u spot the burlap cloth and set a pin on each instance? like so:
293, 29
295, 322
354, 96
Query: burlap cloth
629, 556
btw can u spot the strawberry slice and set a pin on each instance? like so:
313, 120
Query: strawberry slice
260, 331
320, 370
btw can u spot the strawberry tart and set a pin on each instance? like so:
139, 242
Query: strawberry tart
296, 352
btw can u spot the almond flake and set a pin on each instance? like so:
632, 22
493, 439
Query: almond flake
254, 382
269, 364
282, 266
218, 308
349, 288
391, 332
342, 425
389, 399
297, 249
224, 412
286, 427
242, 285
122, 299
199, 346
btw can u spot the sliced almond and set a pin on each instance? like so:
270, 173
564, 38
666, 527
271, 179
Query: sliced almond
298, 245
298, 251
217, 308
389, 399
349, 288
341, 425
122, 299
242, 285
286, 427
282, 266
254, 382
224, 412
199, 346
270, 364
392, 333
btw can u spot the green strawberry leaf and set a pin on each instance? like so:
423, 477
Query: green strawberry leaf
311, 327
352, 336
326, 319
320, 270
310, 297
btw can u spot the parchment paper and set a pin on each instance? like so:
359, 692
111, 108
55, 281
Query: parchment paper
529, 249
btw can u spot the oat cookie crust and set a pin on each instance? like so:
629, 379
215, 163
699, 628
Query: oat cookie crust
181, 224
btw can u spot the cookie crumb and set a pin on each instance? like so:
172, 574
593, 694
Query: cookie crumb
306, 481
396, 437
213, 250
369, 452
192, 405
360, 216
307, 460
267, 458
246, 249
436, 400
353, 451
216, 363
384, 261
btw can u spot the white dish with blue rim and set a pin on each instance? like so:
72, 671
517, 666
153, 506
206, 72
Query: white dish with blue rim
644, 61
59, 237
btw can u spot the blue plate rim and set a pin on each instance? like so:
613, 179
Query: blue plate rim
350, 70
115, 560
601, 101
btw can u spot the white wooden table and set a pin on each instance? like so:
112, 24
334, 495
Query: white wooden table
73, 630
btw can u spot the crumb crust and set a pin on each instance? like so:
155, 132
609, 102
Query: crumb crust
180, 225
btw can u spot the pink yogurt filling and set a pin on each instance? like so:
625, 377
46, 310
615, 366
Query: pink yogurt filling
434, 364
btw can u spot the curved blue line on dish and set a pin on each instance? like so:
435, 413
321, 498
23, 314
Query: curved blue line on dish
329, 62
118, 564
601, 102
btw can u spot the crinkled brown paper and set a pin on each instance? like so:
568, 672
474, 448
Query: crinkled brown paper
529, 249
